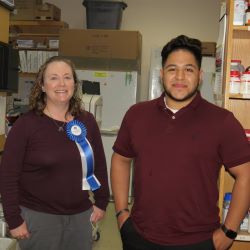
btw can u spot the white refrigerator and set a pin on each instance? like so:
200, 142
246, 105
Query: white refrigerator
119, 92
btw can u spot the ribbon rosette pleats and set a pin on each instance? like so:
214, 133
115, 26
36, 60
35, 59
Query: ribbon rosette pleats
77, 132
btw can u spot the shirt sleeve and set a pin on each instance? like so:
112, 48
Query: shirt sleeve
10, 171
123, 143
234, 148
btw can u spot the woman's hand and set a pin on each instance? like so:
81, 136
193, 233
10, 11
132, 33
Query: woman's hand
97, 214
20, 232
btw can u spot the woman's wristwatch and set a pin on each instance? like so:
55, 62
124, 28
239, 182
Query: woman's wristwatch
228, 232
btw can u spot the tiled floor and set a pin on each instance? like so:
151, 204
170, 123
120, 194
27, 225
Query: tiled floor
109, 233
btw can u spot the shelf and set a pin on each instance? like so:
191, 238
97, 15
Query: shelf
36, 28
36, 49
27, 74
34, 34
243, 236
241, 27
39, 23
239, 96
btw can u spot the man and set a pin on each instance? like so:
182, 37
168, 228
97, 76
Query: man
178, 143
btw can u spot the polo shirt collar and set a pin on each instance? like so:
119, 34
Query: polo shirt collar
194, 104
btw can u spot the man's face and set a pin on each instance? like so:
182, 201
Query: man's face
181, 76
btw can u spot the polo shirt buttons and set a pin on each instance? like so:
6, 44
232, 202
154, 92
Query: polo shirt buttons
173, 117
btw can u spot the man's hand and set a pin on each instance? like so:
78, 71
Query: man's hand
122, 218
221, 241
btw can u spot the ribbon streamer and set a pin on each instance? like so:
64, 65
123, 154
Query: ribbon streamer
76, 131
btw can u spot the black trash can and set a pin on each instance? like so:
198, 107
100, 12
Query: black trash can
104, 14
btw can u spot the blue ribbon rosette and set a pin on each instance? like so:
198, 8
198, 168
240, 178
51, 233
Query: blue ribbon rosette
77, 132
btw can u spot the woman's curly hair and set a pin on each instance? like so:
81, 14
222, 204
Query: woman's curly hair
37, 100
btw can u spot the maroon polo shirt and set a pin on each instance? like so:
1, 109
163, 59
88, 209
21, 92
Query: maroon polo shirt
177, 162
41, 169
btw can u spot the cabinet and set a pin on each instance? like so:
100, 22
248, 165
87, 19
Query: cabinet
36, 41
237, 46
4, 36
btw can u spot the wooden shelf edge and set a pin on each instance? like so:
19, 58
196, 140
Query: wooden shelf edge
243, 236
34, 34
239, 96
241, 27
27, 74
37, 49
39, 22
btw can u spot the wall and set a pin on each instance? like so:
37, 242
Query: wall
158, 21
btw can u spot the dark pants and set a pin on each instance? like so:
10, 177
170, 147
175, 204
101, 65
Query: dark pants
131, 240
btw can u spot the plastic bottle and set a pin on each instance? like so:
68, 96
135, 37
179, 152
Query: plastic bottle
226, 204
245, 83
236, 65
234, 82
244, 223
248, 14
239, 12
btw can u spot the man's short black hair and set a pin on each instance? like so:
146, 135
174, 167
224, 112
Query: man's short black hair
182, 42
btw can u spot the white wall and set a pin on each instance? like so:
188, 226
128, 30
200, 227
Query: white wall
158, 21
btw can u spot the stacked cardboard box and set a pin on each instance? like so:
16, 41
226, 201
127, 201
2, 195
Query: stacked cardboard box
36, 34
47, 11
102, 49
208, 48
35, 10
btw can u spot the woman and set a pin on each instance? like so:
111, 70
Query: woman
47, 171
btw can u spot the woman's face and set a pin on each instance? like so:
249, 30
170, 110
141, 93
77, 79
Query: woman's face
58, 83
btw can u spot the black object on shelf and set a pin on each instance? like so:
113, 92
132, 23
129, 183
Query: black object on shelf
104, 14
9, 61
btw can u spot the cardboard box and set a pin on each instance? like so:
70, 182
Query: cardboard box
27, 4
47, 11
36, 27
53, 43
35, 10
23, 14
24, 9
208, 48
102, 49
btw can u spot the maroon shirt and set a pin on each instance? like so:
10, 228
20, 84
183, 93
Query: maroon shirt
41, 169
177, 162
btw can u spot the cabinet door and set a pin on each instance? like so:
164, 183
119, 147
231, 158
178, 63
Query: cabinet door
4, 24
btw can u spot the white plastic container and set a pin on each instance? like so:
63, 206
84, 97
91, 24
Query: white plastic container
245, 222
239, 12
245, 83
234, 82
236, 65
